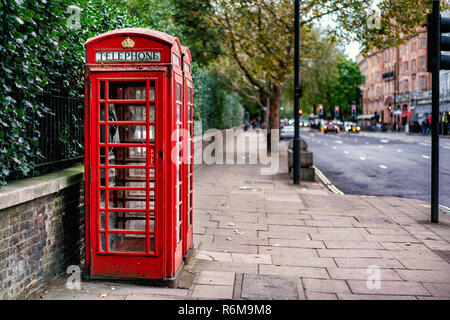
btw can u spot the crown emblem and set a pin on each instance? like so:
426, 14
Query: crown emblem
127, 43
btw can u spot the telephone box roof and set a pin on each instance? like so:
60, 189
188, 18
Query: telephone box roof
154, 34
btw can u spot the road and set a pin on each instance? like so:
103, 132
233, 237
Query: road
380, 164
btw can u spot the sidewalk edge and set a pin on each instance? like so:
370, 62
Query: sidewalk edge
327, 182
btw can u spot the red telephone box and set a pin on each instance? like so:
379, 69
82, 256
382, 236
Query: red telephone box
138, 187
188, 147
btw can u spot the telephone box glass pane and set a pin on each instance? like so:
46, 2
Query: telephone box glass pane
127, 112
124, 177
152, 112
178, 92
127, 90
127, 221
119, 242
102, 198
102, 133
102, 177
128, 133
102, 220
127, 177
102, 242
119, 200
152, 134
102, 90
102, 112
152, 90
152, 243
127, 155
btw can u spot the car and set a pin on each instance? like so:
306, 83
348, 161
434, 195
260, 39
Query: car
287, 132
352, 127
330, 126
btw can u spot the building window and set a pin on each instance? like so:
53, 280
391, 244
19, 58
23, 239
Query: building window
424, 83
407, 49
423, 62
406, 85
406, 66
423, 43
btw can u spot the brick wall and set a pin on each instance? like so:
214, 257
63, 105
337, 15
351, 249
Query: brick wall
42, 236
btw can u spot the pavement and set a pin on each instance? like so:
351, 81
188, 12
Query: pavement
380, 164
260, 237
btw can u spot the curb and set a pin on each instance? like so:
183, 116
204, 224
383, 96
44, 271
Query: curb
335, 190
327, 182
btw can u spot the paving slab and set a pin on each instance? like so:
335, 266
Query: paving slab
216, 278
327, 286
320, 296
293, 271
432, 276
212, 292
388, 288
269, 287
361, 274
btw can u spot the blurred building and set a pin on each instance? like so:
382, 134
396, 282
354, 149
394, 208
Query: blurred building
397, 90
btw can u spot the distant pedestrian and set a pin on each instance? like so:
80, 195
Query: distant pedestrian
246, 125
424, 127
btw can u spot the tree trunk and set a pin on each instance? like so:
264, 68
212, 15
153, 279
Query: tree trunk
274, 120
275, 104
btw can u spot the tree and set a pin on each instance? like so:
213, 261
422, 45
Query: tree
346, 90
318, 73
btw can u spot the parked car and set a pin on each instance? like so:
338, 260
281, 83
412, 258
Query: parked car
352, 127
330, 126
287, 132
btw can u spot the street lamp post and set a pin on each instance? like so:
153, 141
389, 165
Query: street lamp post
297, 95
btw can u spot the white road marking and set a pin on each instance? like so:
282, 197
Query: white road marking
399, 150
334, 147
367, 143
346, 152
383, 166
362, 158
380, 146
325, 143
446, 147
426, 157
338, 141
384, 141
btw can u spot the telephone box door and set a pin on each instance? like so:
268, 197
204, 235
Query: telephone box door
126, 215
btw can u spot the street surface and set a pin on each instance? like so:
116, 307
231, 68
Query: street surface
380, 164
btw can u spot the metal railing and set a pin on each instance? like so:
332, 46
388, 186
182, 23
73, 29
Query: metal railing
60, 133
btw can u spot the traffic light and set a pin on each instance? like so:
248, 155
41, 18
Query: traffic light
336, 111
353, 110
320, 110
281, 108
437, 25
